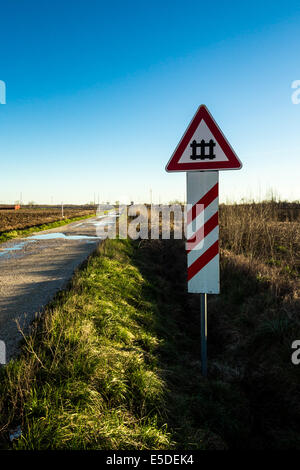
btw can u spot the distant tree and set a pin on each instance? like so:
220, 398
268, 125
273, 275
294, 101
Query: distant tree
176, 201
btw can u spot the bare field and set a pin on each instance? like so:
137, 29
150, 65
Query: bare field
25, 218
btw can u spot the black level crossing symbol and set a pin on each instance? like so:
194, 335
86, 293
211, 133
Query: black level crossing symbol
203, 145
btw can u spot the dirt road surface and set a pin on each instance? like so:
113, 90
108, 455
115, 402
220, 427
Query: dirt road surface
34, 269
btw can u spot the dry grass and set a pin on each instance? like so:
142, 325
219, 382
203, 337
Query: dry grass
259, 232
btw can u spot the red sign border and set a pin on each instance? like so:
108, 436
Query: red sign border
233, 162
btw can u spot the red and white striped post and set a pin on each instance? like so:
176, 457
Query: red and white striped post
202, 230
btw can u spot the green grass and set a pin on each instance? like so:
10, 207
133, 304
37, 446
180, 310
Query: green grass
6, 236
114, 362
88, 378
111, 364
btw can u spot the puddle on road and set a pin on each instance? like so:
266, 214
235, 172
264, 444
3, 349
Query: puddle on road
53, 236
7, 250
61, 236
99, 220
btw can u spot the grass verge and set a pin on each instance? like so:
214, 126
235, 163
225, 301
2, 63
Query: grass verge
88, 376
114, 363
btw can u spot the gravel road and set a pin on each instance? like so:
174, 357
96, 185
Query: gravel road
34, 269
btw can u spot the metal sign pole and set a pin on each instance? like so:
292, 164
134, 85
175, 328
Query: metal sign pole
203, 310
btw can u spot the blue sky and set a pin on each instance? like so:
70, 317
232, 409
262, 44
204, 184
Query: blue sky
99, 94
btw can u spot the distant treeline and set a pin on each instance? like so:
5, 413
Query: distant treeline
58, 206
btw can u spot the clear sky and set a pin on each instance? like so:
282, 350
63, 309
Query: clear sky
99, 94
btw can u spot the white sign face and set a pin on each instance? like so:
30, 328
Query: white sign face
203, 134
203, 232
203, 147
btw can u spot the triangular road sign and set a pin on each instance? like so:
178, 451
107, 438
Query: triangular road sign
203, 147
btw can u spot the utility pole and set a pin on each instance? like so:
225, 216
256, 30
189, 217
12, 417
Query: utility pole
62, 210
